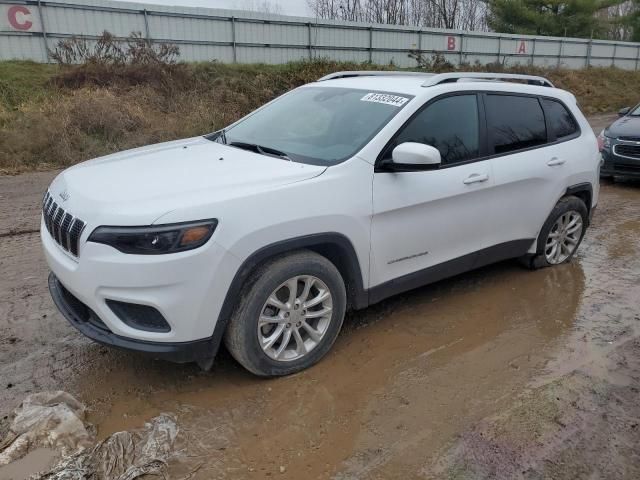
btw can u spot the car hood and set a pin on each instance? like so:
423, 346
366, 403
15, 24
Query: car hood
142, 184
624, 127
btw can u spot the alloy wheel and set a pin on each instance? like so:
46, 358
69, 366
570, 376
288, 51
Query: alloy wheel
564, 237
295, 318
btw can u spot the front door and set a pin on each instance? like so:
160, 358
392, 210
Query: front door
426, 218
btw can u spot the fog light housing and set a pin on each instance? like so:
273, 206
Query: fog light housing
140, 317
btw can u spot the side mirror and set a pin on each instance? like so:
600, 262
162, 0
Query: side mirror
623, 111
415, 156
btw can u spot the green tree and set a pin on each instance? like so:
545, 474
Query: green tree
575, 18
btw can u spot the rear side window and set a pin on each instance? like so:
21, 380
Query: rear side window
515, 123
450, 125
561, 122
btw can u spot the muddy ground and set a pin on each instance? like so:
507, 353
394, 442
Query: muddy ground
499, 373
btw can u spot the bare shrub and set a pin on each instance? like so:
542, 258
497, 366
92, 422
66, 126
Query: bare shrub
437, 62
140, 51
108, 50
111, 61
74, 50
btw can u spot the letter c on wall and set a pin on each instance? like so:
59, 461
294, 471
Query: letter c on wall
21, 23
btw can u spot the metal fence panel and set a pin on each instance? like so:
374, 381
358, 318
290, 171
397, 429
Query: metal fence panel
626, 52
203, 53
261, 33
344, 55
71, 21
29, 27
404, 41
22, 47
195, 29
482, 45
339, 37
547, 48
602, 50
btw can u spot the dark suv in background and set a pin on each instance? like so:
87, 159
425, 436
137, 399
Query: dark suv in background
620, 145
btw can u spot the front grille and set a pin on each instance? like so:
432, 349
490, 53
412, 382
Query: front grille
632, 151
64, 228
629, 139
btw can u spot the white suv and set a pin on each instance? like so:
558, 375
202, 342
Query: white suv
332, 197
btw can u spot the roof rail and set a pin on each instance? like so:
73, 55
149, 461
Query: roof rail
373, 73
454, 77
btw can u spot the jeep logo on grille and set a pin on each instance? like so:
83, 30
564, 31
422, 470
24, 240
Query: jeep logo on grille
64, 195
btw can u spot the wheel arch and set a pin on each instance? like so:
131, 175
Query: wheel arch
584, 191
336, 247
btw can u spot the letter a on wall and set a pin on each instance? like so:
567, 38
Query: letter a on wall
522, 47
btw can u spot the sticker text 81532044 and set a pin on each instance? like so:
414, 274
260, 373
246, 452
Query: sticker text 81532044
385, 98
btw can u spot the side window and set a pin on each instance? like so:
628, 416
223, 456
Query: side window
561, 122
449, 124
514, 123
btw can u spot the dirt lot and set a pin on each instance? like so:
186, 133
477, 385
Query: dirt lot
500, 373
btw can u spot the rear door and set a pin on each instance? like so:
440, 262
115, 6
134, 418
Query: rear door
529, 165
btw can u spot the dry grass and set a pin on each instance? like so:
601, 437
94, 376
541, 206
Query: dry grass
55, 116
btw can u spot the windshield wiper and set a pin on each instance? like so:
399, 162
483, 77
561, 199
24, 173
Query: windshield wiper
272, 152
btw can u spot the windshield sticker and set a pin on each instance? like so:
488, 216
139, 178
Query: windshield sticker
385, 98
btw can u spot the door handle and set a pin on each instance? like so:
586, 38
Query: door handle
476, 178
555, 161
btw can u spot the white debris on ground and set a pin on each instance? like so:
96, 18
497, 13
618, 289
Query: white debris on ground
123, 455
53, 420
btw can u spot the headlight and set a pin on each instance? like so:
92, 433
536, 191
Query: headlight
603, 141
156, 239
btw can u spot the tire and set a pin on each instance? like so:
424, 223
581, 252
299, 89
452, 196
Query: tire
567, 207
316, 327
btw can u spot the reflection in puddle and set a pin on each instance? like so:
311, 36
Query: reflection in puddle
403, 374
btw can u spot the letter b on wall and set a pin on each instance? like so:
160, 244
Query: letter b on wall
451, 43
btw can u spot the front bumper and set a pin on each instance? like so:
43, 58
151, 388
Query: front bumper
188, 289
617, 165
88, 323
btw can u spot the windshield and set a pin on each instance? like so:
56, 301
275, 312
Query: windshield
317, 125
635, 112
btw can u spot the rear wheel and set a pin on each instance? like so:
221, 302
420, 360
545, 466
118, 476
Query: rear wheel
561, 234
289, 316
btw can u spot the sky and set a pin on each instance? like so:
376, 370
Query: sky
284, 7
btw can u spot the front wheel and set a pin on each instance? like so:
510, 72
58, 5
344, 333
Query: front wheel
290, 315
561, 234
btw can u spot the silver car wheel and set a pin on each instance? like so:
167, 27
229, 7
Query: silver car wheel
564, 237
295, 318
